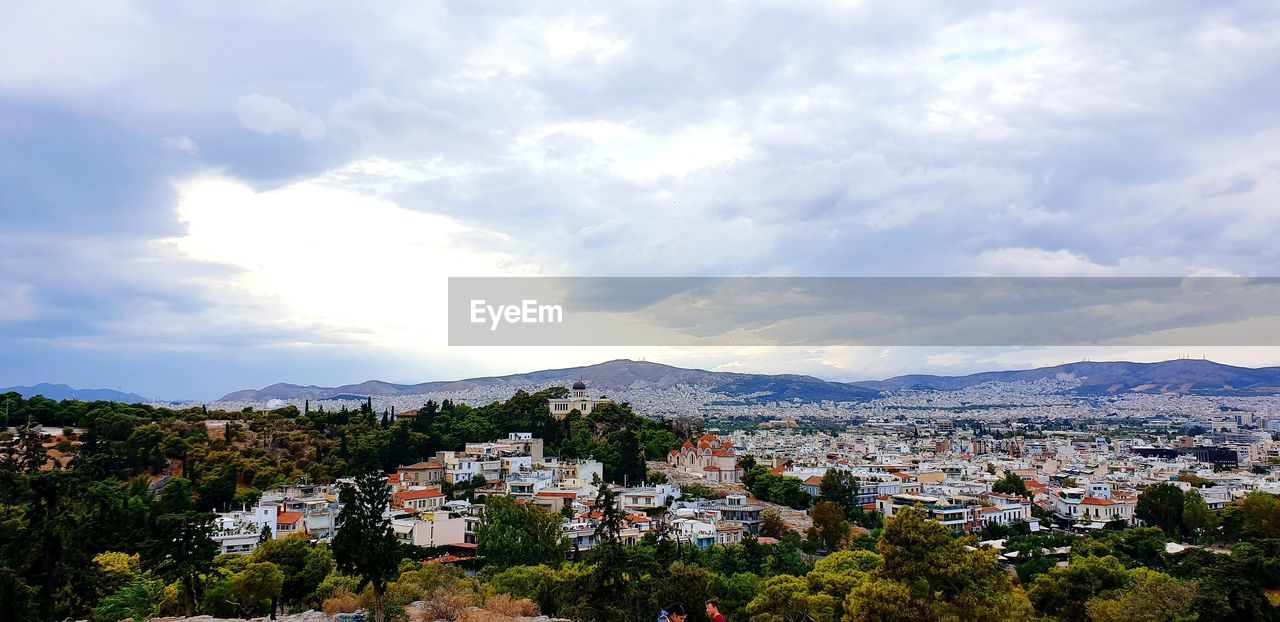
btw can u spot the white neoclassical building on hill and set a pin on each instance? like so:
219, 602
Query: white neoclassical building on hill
577, 400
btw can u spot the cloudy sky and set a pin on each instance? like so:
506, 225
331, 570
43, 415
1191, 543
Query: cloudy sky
202, 197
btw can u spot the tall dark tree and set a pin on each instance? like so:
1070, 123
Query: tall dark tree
841, 488
182, 547
365, 545
1011, 484
608, 584
1161, 506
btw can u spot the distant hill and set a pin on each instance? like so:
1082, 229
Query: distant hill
602, 378
1094, 378
1193, 376
65, 392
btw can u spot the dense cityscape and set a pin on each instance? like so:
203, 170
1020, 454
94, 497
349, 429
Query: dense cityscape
1087, 506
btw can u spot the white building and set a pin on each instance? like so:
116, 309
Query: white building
438, 528
577, 400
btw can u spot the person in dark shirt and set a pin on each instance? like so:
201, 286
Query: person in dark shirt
713, 611
674, 613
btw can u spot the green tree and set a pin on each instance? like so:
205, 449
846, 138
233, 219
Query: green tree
1011, 484
880, 600
1196, 517
1064, 592
1161, 506
513, 534
138, 601
840, 487
365, 545
771, 523
28, 449
1149, 596
182, 547
735, 592
1261, 514
829, 524
607, 588
787, 599
303, 565
945, 578
257, 587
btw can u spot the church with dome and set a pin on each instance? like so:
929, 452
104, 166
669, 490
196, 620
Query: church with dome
577, 400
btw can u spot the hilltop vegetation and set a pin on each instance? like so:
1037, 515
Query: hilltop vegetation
142, 482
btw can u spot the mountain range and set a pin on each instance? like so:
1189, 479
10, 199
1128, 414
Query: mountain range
1189, 376
65, 392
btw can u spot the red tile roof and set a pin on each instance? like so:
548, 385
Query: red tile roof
288, 518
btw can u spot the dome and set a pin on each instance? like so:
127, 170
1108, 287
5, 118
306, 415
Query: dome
579, 386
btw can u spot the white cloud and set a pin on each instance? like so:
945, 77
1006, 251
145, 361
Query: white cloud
17, 303
182, 144
70, 47
268, 115
337, 257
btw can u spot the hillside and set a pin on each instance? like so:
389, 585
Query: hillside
607, 377
1178, 376
66, 392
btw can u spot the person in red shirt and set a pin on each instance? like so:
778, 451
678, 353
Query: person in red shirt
713, 611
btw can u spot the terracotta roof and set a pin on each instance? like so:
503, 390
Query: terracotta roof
288, 518
1097, 501
813, 480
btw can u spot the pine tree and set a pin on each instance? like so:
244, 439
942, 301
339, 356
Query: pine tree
30, 448
608, 581
365, 545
